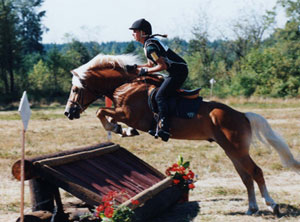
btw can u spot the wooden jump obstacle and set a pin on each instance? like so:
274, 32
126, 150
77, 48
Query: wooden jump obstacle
88, 173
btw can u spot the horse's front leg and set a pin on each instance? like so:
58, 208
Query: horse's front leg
125, 131
110, 124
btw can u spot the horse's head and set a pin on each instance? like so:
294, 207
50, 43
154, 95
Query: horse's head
80, 98
100, 76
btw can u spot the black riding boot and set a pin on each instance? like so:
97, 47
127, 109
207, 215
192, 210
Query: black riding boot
154, 128
164, 131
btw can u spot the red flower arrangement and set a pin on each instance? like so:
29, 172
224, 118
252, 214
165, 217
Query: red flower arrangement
181, 174
108, 211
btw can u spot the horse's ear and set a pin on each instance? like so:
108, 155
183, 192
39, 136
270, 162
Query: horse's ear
74, 73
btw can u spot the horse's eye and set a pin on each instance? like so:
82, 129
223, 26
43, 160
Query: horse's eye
75, 90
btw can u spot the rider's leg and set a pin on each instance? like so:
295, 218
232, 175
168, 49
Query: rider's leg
167, 89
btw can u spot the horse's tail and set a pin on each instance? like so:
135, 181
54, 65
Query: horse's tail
263, 131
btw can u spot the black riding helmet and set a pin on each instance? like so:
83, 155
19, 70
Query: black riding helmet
142, 24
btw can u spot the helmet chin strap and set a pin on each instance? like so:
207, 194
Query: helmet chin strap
142, 35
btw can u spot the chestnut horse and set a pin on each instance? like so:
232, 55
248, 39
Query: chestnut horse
232, 130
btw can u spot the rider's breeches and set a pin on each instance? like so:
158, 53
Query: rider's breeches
168, 88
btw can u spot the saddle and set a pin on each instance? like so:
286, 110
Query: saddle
185, 104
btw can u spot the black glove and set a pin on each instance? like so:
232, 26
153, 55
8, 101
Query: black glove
143, 72
131, 68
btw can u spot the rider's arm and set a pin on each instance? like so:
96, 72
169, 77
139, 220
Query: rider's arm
147, 65
156, 63
160, 66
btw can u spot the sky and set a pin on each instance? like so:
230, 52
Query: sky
109, 20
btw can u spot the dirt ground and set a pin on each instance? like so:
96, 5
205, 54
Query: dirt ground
219, 194
213, 199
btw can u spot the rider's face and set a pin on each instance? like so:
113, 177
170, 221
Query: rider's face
137, 35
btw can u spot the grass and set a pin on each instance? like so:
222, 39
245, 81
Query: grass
49, 131
223, 191
262, 103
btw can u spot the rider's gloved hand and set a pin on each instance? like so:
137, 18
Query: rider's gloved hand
143, 72
131, 68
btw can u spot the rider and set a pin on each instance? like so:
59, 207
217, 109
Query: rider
160, 58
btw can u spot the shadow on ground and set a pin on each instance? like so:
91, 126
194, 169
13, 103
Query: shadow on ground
184, 212
285, 210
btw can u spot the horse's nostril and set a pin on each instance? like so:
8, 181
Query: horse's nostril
69, 115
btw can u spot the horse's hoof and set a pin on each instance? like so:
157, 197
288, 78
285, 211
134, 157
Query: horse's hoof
164, 135
276, 211
117, 129
134, 132
252, 211
152, 132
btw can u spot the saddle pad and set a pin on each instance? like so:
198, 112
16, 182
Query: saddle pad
184, 108
178, 106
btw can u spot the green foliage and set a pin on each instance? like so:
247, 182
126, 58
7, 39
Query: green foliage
30, 26
130, 48
244, 66
39, 80
9, 45
50, 77
243, 84
123, 214
292, 8
20, 35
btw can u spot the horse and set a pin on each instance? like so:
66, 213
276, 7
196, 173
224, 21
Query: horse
234, 131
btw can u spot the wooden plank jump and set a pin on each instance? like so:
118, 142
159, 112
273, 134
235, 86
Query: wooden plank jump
91, 172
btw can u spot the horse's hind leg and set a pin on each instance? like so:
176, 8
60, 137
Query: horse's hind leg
251, 168
268, 200
235, 150
238, 153
248, 182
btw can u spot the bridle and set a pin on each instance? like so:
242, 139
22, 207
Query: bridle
79, 100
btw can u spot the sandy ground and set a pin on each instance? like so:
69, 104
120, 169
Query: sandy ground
214, 199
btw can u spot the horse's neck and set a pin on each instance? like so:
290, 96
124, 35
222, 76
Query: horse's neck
124, 85
108, 80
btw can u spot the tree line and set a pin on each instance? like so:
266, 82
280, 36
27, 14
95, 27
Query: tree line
246, 65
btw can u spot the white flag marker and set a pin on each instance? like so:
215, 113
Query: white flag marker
25, 112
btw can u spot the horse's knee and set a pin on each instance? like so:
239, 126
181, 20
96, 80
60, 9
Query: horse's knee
99, 113
111, 120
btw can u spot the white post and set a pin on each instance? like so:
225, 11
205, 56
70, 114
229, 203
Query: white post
109, 136
212, 82
108, 103
25, 112
22, 176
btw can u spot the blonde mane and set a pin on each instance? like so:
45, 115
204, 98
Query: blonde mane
102, 62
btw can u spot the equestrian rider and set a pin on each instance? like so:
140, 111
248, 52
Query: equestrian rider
160, 58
